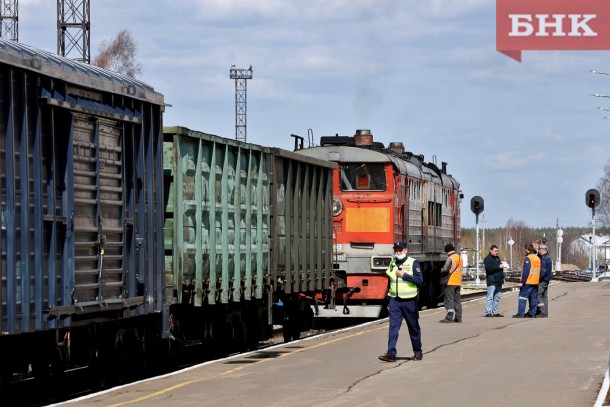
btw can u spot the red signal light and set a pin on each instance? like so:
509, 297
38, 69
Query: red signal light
477, 204
592, 198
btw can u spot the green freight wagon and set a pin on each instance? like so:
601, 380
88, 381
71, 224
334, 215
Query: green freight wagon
248, 238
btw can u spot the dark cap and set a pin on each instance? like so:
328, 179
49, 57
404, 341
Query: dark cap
400, 245
449, 248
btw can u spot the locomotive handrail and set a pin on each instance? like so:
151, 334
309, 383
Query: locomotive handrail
369, 200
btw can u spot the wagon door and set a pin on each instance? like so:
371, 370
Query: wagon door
97, 218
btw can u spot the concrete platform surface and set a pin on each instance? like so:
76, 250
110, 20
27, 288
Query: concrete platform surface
556, 361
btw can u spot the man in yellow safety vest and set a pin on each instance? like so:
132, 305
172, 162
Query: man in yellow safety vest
405, 278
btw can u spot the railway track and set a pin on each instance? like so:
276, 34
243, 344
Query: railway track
574, 276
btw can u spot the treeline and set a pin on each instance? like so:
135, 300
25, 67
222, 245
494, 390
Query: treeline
520, 234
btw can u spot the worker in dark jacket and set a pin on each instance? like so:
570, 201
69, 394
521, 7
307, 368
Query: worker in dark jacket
546, 272
494, 276
405, 278
530, 277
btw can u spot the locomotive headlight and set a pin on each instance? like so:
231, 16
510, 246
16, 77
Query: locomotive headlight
337, 207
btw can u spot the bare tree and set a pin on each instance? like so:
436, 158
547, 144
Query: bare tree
519, 232
603, 210
119, 55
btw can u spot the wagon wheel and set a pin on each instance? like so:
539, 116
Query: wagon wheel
294, 321
238, 331
230, 333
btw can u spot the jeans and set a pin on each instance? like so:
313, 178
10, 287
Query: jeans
494, 293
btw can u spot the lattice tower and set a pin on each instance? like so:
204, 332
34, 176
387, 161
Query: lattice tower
9, 20
240, 76
74, 30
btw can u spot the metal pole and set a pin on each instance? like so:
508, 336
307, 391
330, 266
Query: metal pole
559, 241
558, 264
484, 222
477, 253
606, 258
510, 239
594, 254
590, 254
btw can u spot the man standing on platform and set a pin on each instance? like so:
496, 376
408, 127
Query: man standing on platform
546, 272
452, 270
405, 278
494, 276
530, 275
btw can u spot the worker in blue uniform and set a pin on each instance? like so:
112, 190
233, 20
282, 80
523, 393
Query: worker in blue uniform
546, 273
405, 278
530, 276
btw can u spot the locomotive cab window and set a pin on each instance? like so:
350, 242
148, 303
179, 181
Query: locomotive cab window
362, 177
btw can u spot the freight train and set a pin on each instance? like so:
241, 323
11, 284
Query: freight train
380, 196
122, 241
125, 243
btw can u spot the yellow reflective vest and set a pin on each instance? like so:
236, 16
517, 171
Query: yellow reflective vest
400, 288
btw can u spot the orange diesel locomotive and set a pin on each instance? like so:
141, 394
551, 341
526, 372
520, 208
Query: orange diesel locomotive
383, 195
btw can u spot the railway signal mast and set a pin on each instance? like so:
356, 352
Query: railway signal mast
240, 76
9, 20
559, 242
73, 30
477, 205
592, 201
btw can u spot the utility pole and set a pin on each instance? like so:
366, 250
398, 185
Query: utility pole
511, 242
73, 30
483, 221
240, 76
9, 20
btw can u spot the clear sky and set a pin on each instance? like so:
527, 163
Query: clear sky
527, 137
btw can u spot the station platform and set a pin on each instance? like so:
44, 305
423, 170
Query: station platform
561, 360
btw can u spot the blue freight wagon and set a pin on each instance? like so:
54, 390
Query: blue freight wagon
81, 213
